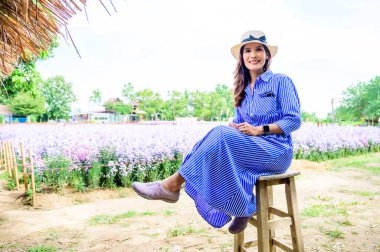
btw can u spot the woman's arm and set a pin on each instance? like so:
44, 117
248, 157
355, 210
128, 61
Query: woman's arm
237, 119
289, 106
289, 109
248, 129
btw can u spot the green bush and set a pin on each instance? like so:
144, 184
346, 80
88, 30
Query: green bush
344, 152
76, 179
56, 174
92, 177
11, 184
108, 172
33, 118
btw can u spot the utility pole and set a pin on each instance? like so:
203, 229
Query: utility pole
332, 111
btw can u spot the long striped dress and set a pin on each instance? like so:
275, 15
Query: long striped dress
223, 167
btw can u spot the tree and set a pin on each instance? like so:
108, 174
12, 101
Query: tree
118, 107
58, 95
307, 117
128, 93
96, 96
25, 105
24, 78
222, 102
361, 102
355, 99
201, 101
150, 102
372, 110
176, 105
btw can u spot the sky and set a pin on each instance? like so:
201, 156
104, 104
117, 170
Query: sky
324, 46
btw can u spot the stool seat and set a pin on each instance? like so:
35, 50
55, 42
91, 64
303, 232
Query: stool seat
279, 176
264, 220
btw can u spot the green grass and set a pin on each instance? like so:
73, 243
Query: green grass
168, 213
320, 198
332, 234
4, 175
104, 219
365, 193
369, 195
343, 203
182, 230
110, 219
43, 248
323, 210
344, 223
369, 162
149, 213
13, 246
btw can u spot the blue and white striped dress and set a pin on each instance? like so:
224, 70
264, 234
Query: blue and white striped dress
223, 167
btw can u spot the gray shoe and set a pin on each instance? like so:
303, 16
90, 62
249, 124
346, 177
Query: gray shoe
155, 191
238, 225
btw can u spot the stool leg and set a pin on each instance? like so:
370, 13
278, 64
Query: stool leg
295, 228
272, 233
262, 217
238, 241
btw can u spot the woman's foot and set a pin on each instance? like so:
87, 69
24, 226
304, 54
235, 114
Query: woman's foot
238, 225
155, 191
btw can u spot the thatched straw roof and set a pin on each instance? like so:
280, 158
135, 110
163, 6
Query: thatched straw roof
28, 26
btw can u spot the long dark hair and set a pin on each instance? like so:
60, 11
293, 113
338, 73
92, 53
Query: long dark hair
242, 76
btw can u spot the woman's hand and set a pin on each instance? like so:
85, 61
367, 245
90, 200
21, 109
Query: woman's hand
248, 129
233, 125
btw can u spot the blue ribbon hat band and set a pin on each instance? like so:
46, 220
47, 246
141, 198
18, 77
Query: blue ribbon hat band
262, 39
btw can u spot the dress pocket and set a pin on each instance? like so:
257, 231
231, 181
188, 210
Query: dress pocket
266, 104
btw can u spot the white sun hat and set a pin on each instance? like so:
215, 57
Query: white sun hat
253, 36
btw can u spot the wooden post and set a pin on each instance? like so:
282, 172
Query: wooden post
238, 241
15, 167
5, 157
8, 159
1, 156
295, 227
11, 165
33, 182
25, 173
11, 160
272, 233
262, 217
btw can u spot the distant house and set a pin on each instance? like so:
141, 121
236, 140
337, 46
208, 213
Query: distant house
113, 100
101, 116
108, 116
6, 114
136, 115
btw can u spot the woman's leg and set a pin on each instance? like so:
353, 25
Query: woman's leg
173, 183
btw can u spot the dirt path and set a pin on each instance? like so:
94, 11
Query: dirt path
340, 213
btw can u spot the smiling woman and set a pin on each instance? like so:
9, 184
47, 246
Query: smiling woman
224, 165
29, 26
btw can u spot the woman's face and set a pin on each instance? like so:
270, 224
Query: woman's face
254, 57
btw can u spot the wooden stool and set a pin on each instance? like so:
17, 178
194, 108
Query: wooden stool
264, 220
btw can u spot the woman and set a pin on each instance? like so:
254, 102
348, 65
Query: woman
222, 169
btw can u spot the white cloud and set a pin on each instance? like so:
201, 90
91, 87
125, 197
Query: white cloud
324, 46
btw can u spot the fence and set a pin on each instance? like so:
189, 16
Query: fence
8, 163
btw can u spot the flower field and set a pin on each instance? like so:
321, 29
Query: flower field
90, 155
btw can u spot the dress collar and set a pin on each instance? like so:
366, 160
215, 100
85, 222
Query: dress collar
264, 77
